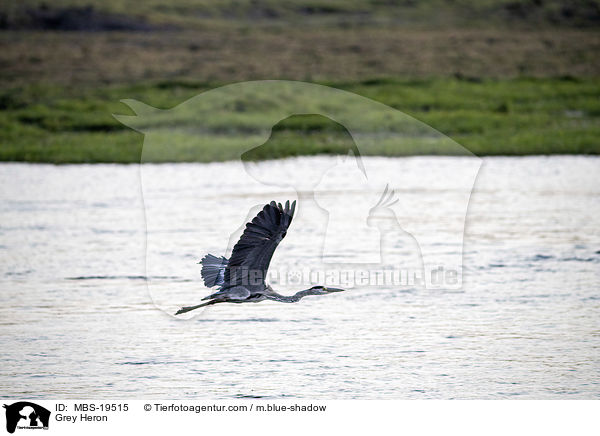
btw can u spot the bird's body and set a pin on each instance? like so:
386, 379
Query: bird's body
241, 278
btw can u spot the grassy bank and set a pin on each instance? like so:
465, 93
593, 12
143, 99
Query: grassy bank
488, 117
88, 59
500, 77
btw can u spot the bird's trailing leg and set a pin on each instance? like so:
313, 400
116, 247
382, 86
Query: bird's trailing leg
189, 308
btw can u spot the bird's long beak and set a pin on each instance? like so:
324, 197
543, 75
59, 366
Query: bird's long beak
334, 289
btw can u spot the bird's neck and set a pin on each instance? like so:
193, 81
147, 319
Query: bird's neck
291, 298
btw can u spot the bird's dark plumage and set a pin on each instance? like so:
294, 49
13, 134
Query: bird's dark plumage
252, 254
241, 279
213, 270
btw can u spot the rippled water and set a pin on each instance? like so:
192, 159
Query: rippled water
78, 320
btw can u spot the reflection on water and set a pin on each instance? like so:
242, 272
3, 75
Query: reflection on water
77, 320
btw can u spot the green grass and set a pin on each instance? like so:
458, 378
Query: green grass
509, 77
489, 117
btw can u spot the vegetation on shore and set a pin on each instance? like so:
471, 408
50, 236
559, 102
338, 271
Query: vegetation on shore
488, 117
157, 14
500, 77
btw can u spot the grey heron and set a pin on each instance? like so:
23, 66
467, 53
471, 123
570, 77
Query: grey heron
241, 278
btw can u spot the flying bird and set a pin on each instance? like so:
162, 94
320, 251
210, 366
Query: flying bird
241, 278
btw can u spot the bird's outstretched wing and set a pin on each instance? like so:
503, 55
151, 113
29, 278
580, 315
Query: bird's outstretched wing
213, 270
252, 254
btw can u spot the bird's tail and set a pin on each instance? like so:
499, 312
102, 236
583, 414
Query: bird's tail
213, 270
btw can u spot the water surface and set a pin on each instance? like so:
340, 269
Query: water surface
77, 319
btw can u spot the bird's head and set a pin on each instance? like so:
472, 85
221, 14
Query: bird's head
322, 290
